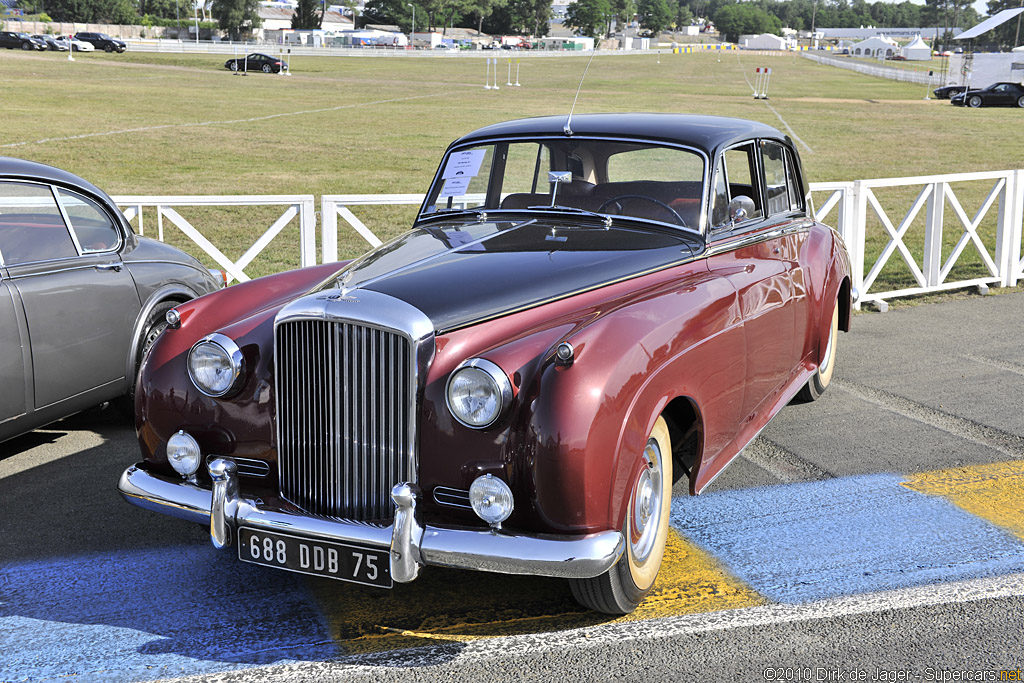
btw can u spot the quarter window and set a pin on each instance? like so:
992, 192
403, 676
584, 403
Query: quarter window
93, 227
31, 226
777, 186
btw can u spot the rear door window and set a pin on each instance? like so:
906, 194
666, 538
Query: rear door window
93, 227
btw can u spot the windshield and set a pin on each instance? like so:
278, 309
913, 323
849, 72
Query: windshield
610, 177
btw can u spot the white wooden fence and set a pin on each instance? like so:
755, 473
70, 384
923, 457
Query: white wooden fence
853, 208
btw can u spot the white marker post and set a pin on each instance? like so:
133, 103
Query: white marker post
517, 72
71, 48
757, 83
487, 78
237, 70
767, 77
509, 81
928, 85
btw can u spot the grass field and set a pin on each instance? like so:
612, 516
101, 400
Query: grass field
146, 123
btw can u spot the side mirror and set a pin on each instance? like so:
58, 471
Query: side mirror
741, 208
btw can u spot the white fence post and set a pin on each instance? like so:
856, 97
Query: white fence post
328, 230
932, 265
1015, 228
307, 231
855, 239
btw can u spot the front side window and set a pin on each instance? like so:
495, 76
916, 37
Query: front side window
611, 177
93, 227
31, 226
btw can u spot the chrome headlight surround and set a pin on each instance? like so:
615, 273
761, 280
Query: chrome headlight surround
233, 362
490, 378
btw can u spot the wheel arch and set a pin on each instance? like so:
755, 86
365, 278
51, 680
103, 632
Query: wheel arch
177, 294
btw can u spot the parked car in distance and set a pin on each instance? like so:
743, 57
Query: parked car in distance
17, 40
81, 296
51, 43
586, 310
945, 92
995, 95
257, 61
101, 41
75, 44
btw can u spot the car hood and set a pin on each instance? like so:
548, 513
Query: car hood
461, 272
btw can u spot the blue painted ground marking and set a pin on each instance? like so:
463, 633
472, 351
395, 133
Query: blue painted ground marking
811, 541
145, 614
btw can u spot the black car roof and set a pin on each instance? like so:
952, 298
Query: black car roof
707, 133
14, 169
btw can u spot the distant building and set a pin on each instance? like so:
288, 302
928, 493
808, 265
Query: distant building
873, 32
766, 41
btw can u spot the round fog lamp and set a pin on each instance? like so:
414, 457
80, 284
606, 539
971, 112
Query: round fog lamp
491, 499
183, 453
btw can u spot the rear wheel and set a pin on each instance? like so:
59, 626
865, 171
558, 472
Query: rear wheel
975, 102
267, 68
623, 587
1020, 101
108, 48
817, 384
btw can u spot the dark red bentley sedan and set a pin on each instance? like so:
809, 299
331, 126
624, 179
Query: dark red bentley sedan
585, 311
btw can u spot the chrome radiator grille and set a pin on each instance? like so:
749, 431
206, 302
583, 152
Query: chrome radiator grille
344, 426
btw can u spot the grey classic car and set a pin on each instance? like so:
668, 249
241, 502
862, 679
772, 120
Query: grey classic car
81, 296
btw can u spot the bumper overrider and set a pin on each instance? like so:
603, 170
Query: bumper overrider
410, 544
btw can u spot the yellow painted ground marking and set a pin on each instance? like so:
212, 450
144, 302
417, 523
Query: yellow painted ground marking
994, 492
458, 606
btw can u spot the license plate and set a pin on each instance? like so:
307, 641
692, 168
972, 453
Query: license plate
318, 558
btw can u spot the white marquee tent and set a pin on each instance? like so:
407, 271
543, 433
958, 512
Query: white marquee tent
873, 46
917, 50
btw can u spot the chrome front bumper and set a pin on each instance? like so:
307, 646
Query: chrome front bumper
411, 545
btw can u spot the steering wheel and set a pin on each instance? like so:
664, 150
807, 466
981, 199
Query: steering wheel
616, 200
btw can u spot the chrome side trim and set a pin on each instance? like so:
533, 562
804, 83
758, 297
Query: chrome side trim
746, 240
482, 550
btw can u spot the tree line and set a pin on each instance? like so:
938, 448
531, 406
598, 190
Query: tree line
596, 18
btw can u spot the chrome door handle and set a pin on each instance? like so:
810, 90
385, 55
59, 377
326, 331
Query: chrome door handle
116, 267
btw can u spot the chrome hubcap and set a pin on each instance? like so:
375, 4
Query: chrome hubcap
647, 500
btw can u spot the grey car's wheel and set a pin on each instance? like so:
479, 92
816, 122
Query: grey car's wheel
822, 377
1020, 101
623, 587
975, 101
267, 68
155, 324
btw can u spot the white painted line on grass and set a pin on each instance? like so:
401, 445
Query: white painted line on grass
792, 132
226, 122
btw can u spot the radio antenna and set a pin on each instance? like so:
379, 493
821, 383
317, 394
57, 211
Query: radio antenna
567, 128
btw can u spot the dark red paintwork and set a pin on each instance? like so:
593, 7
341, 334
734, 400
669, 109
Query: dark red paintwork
724, 339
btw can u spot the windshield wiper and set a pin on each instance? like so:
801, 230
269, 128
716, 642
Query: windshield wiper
603, 217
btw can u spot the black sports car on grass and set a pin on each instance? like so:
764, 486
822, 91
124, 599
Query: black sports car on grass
257, 61
995, 95
945, 92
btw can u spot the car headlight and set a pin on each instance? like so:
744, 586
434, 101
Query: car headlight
478, 393
215, 365
183, 453
491, 499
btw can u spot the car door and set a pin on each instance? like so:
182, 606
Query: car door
13, 398
80, 302
748, 251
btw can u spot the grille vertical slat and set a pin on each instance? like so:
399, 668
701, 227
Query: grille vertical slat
343, 396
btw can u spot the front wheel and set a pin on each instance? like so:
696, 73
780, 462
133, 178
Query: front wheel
108, 48
623, 587
26, 46
975, 102
155, 324
822, 377
233, 66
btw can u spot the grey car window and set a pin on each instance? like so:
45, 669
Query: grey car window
93, 227
31, 227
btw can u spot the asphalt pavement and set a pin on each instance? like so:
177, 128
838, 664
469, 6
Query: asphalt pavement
877, 534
